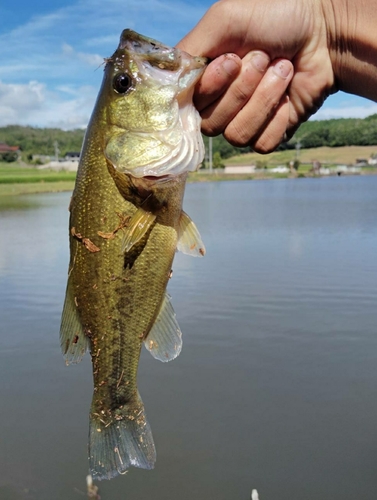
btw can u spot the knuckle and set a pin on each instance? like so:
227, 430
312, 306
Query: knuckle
264, 145
237, 134
211, 128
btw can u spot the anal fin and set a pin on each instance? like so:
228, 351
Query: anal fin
164, 341
189, 239
73, 341
137, 227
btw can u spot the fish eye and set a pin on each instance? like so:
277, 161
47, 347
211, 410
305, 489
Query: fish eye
122, 83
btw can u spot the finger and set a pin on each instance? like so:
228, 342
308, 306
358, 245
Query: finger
217, 77
217, 116
252, 119
275, 130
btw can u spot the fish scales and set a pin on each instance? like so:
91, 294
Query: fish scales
126, 223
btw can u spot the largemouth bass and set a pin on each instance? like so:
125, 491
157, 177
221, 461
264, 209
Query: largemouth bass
126, 223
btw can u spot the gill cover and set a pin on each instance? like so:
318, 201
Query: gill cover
153, 128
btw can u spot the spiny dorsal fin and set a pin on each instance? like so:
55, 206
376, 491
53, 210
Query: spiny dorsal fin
164, 341
137, 227
74, 343
189, 239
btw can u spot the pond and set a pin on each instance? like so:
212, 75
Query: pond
275, 388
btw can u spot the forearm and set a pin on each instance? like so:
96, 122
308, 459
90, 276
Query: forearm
352, 38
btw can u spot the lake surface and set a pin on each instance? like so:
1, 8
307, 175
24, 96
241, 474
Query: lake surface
276, 385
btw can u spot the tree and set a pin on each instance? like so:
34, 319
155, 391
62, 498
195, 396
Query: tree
9, 156
217, 160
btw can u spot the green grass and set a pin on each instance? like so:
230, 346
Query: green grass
38, 187
11, 173
330, 156
16, 179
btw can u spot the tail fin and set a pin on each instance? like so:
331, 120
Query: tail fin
126, 441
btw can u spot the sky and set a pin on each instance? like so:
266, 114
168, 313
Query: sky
51, 55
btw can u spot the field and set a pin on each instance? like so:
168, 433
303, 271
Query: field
16, 179
327, 156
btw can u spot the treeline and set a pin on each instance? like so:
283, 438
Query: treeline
41, 141
312, 134
336, 133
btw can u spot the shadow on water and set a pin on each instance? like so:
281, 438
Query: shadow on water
18, 203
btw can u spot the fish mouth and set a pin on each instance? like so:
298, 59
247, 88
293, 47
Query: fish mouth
166, 142
163, 57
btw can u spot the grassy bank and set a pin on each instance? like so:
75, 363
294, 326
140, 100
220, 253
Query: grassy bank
327, 156
37, 187
15, 180
11, 173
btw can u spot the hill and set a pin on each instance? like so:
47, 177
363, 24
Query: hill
40, 141
312, 134
346, 155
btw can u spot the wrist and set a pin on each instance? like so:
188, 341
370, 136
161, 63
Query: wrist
352, 45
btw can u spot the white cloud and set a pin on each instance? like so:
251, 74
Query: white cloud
90, 59
33, 104
346, 111
47, 61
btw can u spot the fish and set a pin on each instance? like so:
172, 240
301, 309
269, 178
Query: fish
126, 223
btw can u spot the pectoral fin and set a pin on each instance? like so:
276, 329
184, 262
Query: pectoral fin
189, 239
164, 341
137, 227
74, 343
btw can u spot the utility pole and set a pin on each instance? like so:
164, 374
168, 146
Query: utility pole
56, 147
210, 154
298, 147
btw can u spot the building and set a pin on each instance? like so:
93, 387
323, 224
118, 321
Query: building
72, 156
9, 153
4, 148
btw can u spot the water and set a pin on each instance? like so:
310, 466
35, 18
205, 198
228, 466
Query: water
275, 388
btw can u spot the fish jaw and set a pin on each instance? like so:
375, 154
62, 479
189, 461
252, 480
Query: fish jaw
153, 129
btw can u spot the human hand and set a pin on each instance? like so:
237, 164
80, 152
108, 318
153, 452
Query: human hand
271, 69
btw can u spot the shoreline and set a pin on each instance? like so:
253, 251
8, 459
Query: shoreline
17, 189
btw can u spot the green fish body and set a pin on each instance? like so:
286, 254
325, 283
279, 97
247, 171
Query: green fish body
126, 223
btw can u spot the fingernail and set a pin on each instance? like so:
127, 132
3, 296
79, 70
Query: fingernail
230, 65
260, 61
282, 69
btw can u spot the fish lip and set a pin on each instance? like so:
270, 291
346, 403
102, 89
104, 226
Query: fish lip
161, 55
150, 50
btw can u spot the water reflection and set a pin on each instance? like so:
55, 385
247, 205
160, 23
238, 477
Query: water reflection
275, 385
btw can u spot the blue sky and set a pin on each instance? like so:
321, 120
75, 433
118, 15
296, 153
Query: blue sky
51, 55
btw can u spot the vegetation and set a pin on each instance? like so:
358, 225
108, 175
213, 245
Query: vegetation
14, 174
327, 156
41, 141
20, 180
312, 134
336, 133
32, 188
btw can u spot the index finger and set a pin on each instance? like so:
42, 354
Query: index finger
217, 77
